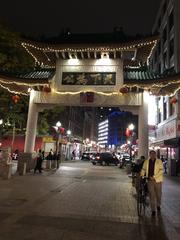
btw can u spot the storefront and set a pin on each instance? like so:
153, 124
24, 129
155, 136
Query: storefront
167, 144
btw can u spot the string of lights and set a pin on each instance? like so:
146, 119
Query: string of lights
11, 91
76, 93
21, 83
123, 47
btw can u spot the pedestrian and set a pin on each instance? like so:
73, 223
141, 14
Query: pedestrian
153, 170
73, 155
43, 155
58, 159
50, 155
39, 162
165, 165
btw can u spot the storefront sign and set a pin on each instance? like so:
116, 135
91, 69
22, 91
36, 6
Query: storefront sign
48, 139
167, 131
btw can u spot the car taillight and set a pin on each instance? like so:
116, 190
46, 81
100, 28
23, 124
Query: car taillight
98, 157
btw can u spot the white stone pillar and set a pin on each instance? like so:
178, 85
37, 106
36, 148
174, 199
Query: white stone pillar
31, 125
168, 107
143, 131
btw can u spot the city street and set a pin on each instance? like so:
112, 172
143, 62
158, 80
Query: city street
82, 201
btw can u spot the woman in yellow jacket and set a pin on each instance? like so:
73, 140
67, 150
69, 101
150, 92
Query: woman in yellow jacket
153, 170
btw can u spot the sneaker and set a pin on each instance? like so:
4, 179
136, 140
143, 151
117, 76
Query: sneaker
153, 214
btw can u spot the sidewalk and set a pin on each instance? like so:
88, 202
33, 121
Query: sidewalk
81, 201
171, 200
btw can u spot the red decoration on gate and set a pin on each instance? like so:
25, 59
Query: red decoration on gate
124, 90
15, 98
128, 132
86, 97
173, 100
61, 130
46, 89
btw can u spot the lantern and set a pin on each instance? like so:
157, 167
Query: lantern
128, 132
61, 130
124, 90
15, 98
46, 89
173, 100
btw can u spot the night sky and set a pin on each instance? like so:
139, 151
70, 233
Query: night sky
37, 17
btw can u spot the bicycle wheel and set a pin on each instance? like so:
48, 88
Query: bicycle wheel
143, 204
139, 203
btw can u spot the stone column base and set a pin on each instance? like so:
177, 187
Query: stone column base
5, 170
26, 162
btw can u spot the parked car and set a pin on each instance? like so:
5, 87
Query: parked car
105, 158
125, 158
118, 155
87, 155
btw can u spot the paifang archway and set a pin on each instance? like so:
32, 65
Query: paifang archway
113, 72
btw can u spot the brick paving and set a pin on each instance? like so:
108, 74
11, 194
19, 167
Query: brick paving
82, 201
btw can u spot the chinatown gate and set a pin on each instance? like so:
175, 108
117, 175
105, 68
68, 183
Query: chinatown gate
112, 73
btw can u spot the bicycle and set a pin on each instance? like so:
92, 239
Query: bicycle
142, 196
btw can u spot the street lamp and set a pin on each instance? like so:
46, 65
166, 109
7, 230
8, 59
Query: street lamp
131, 127
129, 134
68, 132
68, 146
58, 124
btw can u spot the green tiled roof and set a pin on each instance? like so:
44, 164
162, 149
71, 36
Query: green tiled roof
130, 75
139, 75
41, 74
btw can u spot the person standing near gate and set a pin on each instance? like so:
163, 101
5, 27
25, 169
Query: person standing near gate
39, 162
153, 169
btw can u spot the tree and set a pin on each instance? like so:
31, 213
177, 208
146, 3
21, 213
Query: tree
12, 113
15, 60
47, 119
13, 57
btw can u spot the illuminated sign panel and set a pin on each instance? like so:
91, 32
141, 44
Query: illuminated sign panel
100, 75
88, 78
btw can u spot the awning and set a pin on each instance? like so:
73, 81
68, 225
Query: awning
175, 142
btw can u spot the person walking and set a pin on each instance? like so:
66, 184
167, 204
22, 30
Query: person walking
50, 155
153, 170
58, 159
73, 155
39, 162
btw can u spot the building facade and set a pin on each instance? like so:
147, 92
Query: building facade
166, 60
112, 131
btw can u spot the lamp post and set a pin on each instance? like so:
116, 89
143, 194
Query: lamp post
68, 144
59, 131
130, 135
58, 125
68, 133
